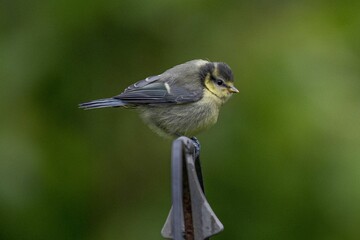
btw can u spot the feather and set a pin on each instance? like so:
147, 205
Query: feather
102, 103
158, 92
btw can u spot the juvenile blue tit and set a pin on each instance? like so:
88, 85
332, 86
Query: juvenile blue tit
182, 101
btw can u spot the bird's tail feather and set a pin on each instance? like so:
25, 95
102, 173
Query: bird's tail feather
102, 103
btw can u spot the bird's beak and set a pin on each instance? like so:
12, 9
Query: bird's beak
233, 89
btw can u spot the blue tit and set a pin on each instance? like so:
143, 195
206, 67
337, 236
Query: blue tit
182, 101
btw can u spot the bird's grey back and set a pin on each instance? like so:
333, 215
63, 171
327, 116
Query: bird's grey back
187, 72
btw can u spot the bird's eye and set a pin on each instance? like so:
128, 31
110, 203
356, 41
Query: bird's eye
219, 82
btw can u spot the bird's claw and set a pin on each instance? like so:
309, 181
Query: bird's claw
197, 146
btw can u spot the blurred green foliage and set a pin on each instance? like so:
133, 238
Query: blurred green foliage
283, 162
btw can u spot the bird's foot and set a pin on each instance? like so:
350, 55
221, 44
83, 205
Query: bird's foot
197, 147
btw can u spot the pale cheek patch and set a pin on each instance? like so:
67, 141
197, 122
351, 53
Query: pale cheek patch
209, 84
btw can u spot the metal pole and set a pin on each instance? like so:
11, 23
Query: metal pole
177, 187
191, 217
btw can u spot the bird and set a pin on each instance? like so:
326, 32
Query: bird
182, 101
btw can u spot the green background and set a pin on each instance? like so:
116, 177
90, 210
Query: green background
283, 161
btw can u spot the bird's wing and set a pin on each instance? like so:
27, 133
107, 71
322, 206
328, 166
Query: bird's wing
154, 90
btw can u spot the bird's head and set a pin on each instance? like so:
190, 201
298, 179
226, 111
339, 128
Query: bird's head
218, 79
